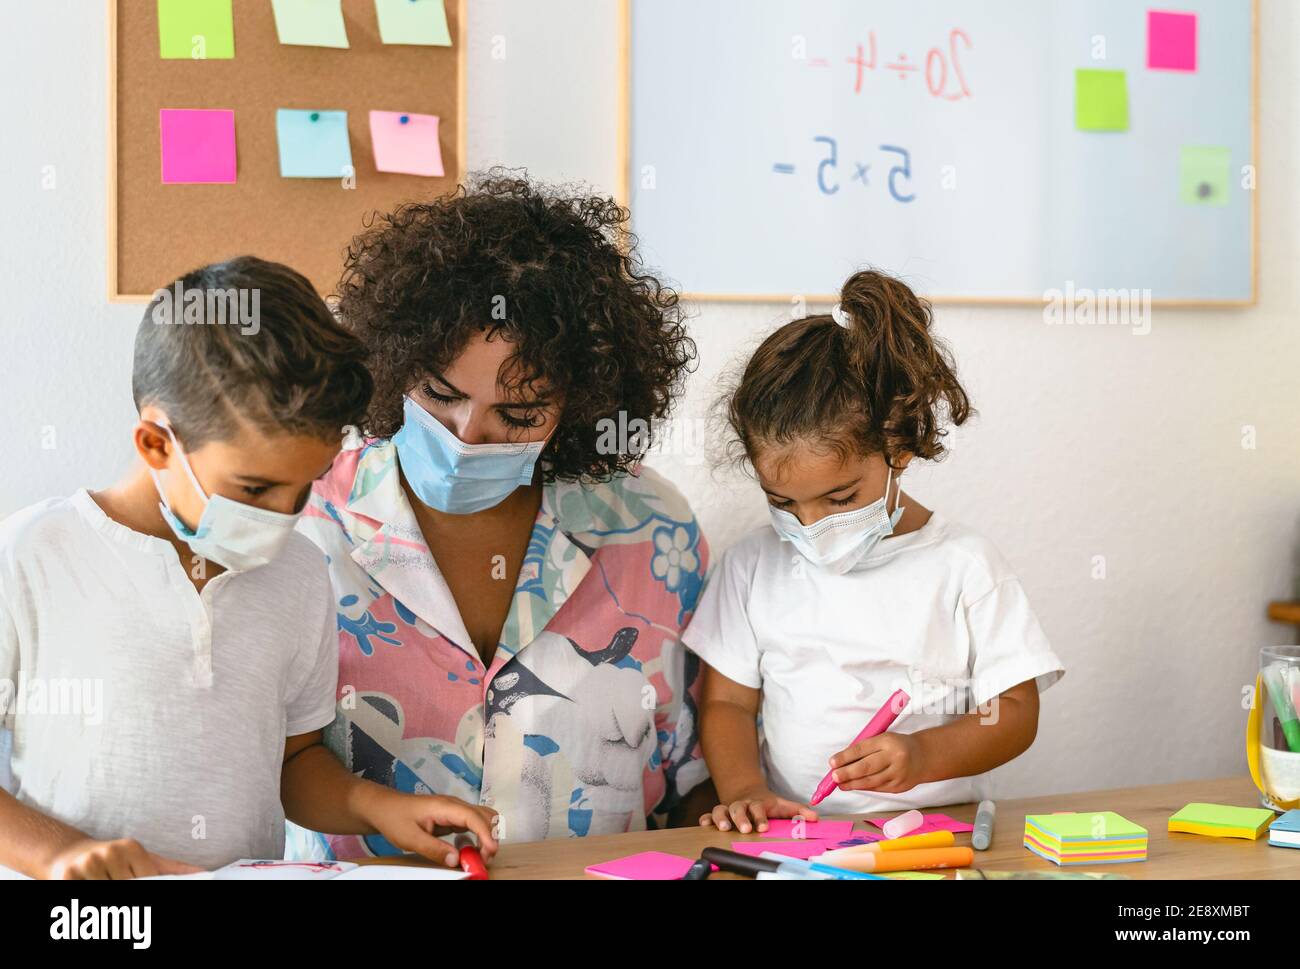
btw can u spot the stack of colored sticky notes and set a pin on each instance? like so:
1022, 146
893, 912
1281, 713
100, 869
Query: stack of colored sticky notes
1285, 831
1096, 838
1222, 821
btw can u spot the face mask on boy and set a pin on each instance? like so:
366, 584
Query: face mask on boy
455, 477
837, 543
236, 536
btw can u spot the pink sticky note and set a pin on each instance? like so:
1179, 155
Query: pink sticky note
198, 147
648, 866
785, 830
791, 849
933, 822
406, 143
1171, 41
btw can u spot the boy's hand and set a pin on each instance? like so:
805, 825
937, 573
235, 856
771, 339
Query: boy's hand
890, 763
410, 822
751, 809
123, 858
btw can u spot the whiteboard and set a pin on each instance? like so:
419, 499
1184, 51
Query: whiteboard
775, 147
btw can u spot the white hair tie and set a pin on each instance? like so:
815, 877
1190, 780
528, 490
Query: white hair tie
840, 317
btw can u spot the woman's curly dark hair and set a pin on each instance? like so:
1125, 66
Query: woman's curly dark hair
587, 320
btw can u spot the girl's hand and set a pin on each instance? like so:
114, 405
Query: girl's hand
410, 822
123, 858
888, 764
751, 809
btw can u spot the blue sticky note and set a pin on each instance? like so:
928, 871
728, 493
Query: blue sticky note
314, 144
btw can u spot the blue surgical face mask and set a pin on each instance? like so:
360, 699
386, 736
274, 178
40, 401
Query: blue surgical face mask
236, 536
838, 542
458, 478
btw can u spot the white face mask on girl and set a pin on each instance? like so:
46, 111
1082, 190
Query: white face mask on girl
838, 542
236, 536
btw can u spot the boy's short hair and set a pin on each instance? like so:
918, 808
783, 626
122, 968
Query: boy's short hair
248, 341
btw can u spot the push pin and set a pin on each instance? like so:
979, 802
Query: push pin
1203, 190
315, 116
405, 119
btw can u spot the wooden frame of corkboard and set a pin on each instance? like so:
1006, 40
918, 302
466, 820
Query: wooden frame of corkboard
624, 189
158, 232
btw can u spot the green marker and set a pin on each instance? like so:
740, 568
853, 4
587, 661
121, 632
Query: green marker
1276, 685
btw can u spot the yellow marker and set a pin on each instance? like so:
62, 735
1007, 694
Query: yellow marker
931, 839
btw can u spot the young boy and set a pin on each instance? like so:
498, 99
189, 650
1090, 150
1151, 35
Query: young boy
168, 646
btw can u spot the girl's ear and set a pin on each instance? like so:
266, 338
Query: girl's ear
152, 443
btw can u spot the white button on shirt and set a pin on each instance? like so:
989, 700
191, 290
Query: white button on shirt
142, 708
936, 612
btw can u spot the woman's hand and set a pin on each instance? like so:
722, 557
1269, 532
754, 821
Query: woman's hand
890, 763
411, 821
751, 809
122, 858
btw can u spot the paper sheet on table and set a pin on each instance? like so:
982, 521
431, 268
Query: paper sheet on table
791, 849
785, 829
646, 866
401, 873
932, 822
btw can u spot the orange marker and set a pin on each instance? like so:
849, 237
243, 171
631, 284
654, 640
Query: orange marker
906, 859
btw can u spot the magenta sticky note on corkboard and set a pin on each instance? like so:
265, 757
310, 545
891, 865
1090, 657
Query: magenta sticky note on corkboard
1171, 41
406, 143
198, 146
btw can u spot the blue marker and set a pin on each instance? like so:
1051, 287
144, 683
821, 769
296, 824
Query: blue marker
815, 870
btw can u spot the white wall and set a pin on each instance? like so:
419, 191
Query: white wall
1090, 441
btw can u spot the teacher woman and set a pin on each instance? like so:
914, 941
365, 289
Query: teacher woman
511, 587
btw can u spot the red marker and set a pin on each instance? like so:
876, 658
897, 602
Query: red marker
881, 722
471, 862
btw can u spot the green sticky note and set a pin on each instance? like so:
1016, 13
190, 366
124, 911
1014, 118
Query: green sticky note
1091, 826
1224, 815
1204, 174
310, 23
422, 22
196, 30
1100, 100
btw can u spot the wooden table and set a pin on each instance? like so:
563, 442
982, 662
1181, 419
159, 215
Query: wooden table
1169, 856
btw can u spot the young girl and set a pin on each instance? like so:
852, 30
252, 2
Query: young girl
857, 590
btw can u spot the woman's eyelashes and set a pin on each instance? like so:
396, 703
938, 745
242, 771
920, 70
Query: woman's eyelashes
842, 502
527, 419
438, 398
521, 418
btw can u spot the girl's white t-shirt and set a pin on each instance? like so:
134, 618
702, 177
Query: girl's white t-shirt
937, 613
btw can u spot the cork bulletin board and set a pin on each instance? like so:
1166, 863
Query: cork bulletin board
157, 232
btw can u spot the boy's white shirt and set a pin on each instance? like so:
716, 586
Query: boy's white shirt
165, 711
936, 612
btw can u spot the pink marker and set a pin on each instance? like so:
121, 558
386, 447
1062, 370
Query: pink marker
881, 722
